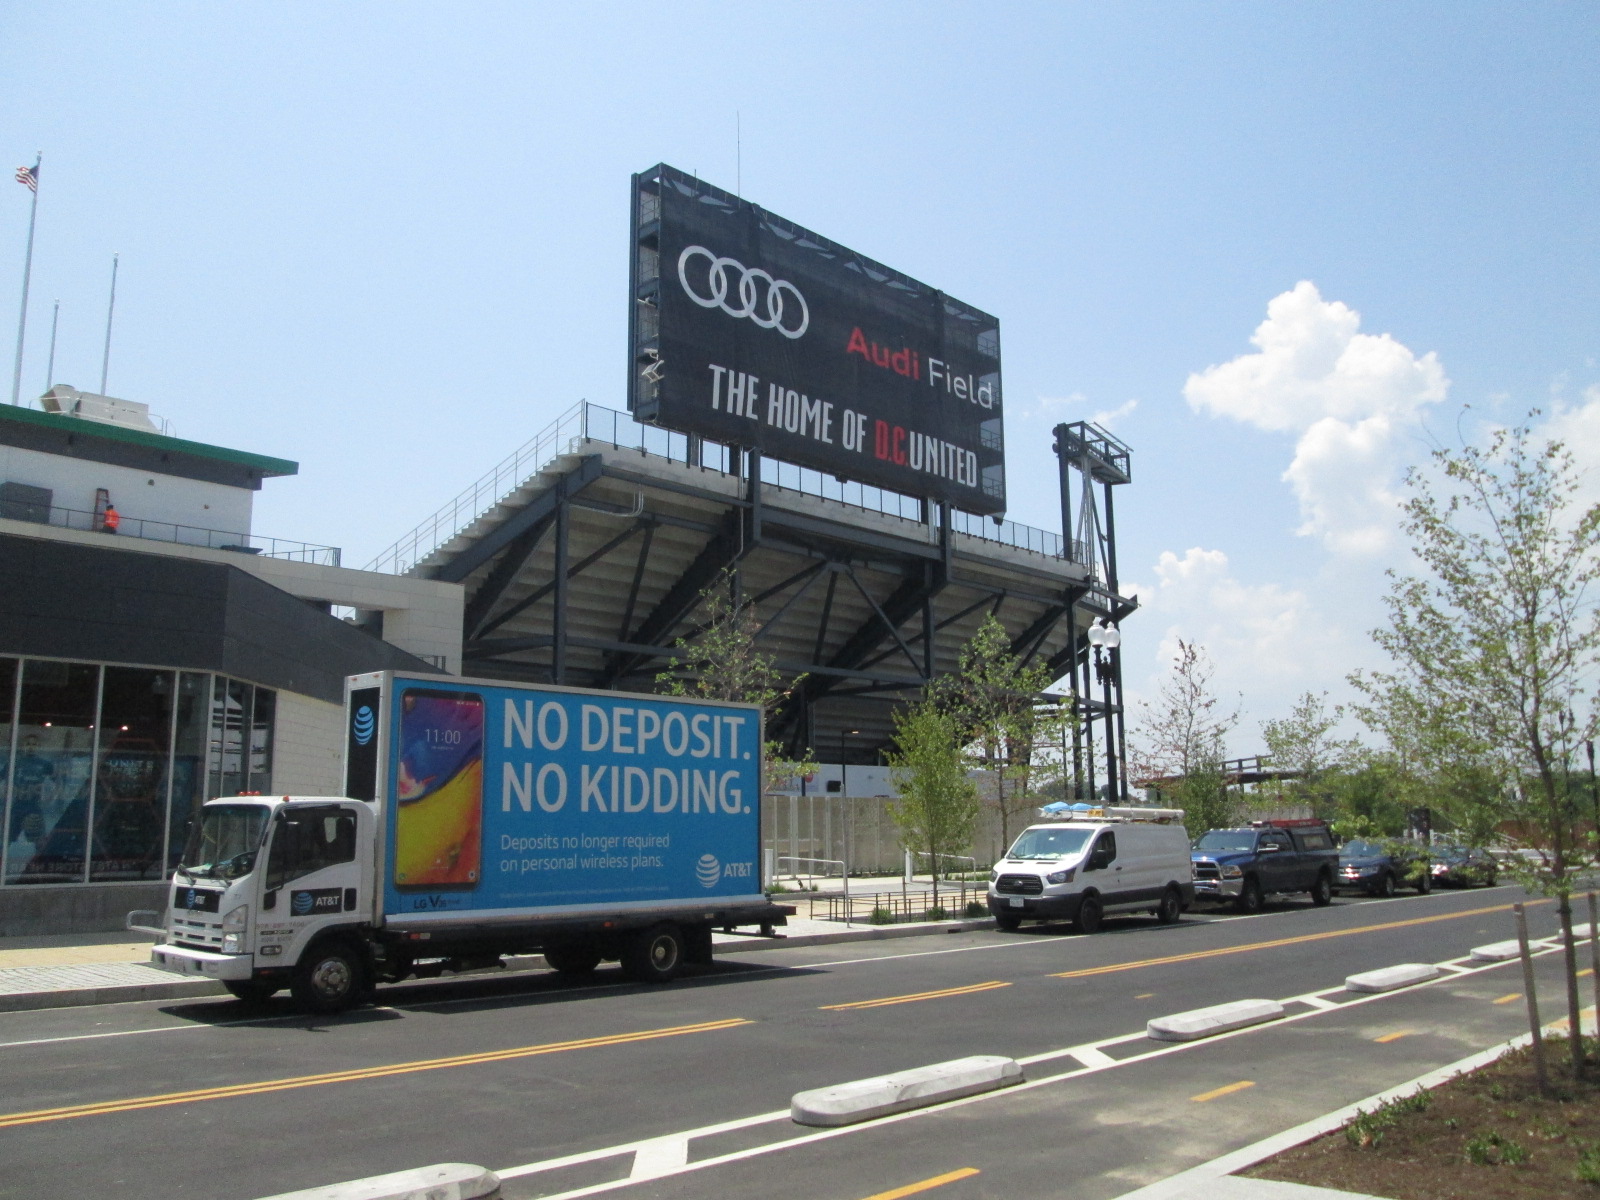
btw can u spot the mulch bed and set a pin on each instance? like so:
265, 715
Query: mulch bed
1487, 1135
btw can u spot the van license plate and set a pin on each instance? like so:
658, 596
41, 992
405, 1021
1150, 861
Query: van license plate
1016, 902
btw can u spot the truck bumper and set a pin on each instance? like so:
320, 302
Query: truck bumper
202, 964
1217, 889
1036, 908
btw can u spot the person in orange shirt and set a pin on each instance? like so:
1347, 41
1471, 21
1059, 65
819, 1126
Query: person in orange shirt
111, 519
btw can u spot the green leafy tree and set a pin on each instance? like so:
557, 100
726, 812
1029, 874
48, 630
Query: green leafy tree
1180, 742
938, 806
722, 661
1304, 743
1007, 729
1495, 643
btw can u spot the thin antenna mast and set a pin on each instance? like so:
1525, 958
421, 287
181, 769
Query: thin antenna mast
738, 153
111, 308
31, 178
50, 368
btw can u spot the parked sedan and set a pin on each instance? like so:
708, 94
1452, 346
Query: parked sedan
1463, 866
1378, 869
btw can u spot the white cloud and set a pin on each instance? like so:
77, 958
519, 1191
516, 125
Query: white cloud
1351, 398
1107, 418
1578, 427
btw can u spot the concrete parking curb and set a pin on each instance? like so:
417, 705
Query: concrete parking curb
1496, 952
178, 989
1388, 979
865, 1099
1207, 1022
445, 1181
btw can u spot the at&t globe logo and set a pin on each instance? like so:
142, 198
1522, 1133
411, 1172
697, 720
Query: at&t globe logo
708, 870
364, 725
301, 903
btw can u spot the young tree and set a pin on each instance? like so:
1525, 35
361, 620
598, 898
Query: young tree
723, 662
1180, 741
1496, 644
1304, 743
938, 805
1008, 732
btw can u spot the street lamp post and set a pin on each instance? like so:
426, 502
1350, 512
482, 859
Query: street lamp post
1105, 639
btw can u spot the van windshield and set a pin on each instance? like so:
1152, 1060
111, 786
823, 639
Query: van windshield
1050, 843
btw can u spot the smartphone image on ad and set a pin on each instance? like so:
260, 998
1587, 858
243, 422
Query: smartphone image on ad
438, 839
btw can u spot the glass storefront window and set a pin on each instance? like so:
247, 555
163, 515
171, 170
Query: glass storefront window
52, 773
130, 801
191, 718
104, 769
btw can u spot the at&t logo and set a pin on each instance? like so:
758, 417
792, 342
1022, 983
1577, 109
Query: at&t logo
364, 725
708, 870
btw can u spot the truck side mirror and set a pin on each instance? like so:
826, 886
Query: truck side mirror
270, 900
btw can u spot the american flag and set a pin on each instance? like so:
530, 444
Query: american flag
29, 176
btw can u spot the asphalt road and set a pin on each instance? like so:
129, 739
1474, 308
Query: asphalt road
554, 1084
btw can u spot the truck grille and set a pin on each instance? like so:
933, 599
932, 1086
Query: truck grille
1019, 885
1206, 870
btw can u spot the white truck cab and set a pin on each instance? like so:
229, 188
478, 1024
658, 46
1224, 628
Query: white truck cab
259, 880
1081, 863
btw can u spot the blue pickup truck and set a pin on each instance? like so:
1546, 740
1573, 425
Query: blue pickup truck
1244, 866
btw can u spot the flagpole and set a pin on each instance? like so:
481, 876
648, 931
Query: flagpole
105, 361
50, 367
27, 273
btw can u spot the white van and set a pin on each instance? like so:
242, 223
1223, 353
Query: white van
1080, 865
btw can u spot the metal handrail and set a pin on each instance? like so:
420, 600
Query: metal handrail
587, 422
844, 871
192, 535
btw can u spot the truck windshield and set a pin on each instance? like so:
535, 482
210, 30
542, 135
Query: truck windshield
224, 844
1049, 843
1227, 839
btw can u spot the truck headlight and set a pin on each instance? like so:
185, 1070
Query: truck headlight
1231, 871
1060, 876
233, 929
994, 876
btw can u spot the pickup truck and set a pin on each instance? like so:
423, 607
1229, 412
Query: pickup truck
1265, 858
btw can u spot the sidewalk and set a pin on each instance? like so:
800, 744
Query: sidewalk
112, 968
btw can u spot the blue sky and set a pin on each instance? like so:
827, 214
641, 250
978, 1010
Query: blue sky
388, 241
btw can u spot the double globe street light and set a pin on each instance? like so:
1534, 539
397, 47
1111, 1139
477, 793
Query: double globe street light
1105, 638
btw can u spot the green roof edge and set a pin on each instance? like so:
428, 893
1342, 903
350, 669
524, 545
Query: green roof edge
139, 437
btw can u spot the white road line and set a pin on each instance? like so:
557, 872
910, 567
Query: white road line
664, 1156
1314, 1002
586, 1156
1090, 1057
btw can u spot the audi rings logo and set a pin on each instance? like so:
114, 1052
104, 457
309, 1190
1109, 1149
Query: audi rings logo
760, 296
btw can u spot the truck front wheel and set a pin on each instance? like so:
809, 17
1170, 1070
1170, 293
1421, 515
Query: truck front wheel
653, 955
330, 978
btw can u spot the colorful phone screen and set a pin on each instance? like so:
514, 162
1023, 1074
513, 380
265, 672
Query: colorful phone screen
439, 791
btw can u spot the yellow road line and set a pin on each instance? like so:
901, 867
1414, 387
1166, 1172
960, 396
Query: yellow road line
1223, 1091
1144, 995
1392, 1037
939, 995
1509, 997
280, 1085
1288, 941
911, 1189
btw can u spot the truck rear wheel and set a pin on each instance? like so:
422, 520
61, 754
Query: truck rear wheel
330, 978
653, 955
1322, 890
572, 959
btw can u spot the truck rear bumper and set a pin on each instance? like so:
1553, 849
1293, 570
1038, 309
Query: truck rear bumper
202, 964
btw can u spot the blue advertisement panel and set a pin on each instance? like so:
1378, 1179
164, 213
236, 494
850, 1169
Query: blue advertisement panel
502, 798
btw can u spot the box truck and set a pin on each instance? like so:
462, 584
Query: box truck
480, 819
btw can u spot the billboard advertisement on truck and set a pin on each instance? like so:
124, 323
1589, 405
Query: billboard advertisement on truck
498, 800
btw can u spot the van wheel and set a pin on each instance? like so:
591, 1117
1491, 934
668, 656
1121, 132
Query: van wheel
1249, 900
1322, 890
1007, 923
653, 955
1171, 907
331, 978
572, 959
251, 991
1090, 914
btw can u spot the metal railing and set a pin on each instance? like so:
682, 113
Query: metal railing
887, 908
844, 871
183, 535
586, 422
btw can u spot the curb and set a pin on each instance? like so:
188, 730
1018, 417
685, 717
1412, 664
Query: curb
867, 1099
870, 933
447, 1181
112, 994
